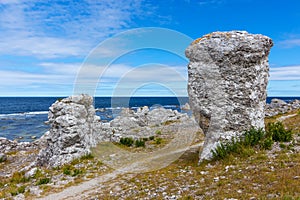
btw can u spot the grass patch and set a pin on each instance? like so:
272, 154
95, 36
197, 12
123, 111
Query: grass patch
19, 177
151, 137
158, 140
139, 143
279, 133
87, 157
127, 141
253, 139
43, 181
69, 170
2, 160
166, 123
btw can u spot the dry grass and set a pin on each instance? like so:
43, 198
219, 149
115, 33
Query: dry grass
264, 175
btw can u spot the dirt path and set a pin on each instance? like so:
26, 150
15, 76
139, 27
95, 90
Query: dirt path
282, 118
81, 191
137, 163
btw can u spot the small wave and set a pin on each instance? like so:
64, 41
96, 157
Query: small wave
108, 108
23, 114
170, 106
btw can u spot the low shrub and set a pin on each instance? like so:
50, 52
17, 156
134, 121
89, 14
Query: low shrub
38, 174
253, 138
139, 143
76, 172
43, 181
87, 157
2, 160
67, 170
158, 132
21, 189
279, 133
19, 177
267, 143
151, 138
158, 140
127, 141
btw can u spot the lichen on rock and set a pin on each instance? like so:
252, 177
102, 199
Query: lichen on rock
72, 131
228, 75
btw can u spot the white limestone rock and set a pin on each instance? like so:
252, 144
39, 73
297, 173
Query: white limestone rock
72, 131
228, 76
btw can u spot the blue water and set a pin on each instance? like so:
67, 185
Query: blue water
23, 118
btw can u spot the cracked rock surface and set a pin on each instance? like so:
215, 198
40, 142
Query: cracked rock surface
228, 75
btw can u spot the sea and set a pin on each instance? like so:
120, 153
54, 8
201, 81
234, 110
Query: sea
23, 118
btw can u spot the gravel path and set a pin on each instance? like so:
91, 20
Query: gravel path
157, 160
282, 118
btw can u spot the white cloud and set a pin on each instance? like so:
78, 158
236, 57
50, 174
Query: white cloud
60, 78
42, 47
25, 79
50, 29
285, 73
290, 43
10, 1
61, 68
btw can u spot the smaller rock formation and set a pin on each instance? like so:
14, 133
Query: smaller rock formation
278, 106
72, 131
228, 76
142, 123
186, 107
8, 146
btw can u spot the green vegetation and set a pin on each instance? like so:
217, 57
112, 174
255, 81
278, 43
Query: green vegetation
127, 141
158, 140
139, 143
169, 122
67, 170
1, 160
253, 139
19, 177
237, 176
151, 138
279, 133
43, 181
87, 157
71, 171
158, 132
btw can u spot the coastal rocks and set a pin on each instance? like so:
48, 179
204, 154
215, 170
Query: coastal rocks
8, 146
75, 129
228, 76
186, 107
278, 106
143, 122
72, 131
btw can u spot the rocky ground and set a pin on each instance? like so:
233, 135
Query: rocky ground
273, 174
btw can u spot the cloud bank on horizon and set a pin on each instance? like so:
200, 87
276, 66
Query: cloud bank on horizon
43, 44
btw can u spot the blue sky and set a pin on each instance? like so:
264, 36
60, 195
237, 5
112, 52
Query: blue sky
45, 44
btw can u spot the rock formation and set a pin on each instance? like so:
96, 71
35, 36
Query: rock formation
228, 76
75, 128
72, 131
143, 123
278, 106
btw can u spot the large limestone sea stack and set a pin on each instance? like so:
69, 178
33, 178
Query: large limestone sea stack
228, 76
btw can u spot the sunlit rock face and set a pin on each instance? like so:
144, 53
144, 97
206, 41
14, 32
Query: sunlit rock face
228, 76
71, 133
